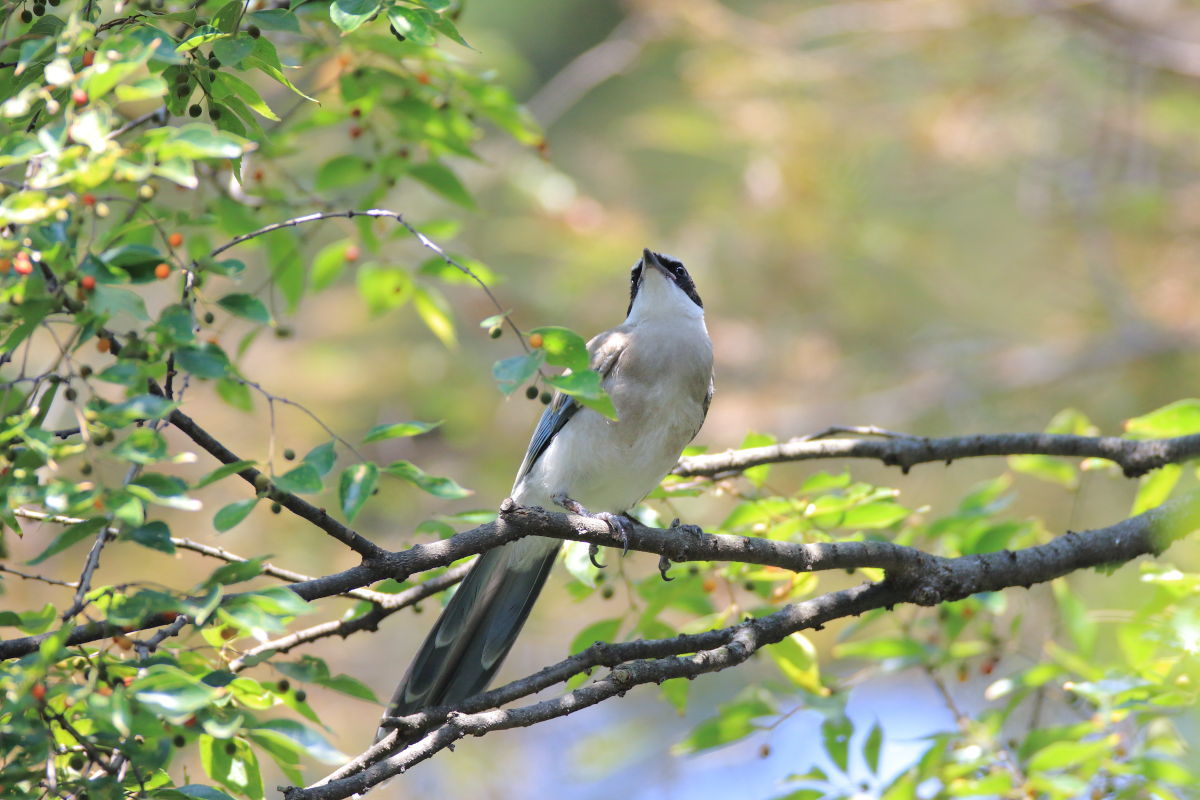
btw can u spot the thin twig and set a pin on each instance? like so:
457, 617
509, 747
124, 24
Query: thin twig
380, 213
32, 577
366, 622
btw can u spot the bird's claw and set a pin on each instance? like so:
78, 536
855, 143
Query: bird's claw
664, 564
619, 524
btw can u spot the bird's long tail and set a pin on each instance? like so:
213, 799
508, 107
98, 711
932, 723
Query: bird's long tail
473, 635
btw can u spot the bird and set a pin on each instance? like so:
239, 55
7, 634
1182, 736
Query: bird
657, 367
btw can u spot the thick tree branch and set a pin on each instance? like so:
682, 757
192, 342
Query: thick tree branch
934, 580
301, 508
677, 544
1135, 457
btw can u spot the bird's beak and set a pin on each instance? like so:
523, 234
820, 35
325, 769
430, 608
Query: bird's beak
651, 260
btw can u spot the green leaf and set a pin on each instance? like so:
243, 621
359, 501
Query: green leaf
434, 311
757, 475
399, 429
322, 458
201, 792
383, 288
350, 14
304, 479
111, 301
235, 572
734, 721
442, 181
231, 51
1068, 754
585, 387
1175, 419
355, 486
247, 306
227, 84
142, 446
835, 735
142, 407
70, 536
329, 263
304, 740
444, 26
872, 747
155, 535
797, 660
233, 513
197, 140
880, 648
563, 347
169, 691
266, 59
237, 770
235, 393
1046, 468
341, 172
603, 631
511, 373
200, 36
413, 24
1155, 488
351, 686
444, 488
206, 361
224, 471
276, 19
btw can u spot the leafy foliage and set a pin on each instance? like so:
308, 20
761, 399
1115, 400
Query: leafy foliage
104, 112
107, 114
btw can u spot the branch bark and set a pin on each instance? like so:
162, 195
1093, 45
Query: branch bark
1134, 457
927, 580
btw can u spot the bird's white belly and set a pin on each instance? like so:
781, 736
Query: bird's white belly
610, 466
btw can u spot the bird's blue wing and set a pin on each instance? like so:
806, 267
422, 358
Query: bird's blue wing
553, 419
606, 351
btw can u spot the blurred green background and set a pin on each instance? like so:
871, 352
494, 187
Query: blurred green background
937, 217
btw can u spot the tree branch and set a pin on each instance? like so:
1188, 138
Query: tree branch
677, 544
933, 580
1135, 457
367, 622
301, 508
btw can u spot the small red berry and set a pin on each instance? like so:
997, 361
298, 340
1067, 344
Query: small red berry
38, 692
352, 253
89, 56
103, 344
355, 131
535, 341
356, 112
423, 78
89, 199
79, 97
87, 282
175, 239
162, 271
22, 265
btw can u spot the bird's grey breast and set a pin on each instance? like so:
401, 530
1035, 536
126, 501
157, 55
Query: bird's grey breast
659, 382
